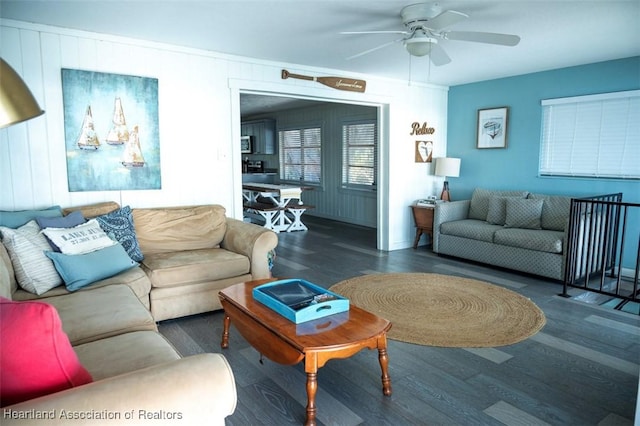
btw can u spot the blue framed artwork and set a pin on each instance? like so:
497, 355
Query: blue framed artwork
111, 131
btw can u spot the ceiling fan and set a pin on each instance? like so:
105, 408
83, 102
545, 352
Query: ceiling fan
425, 23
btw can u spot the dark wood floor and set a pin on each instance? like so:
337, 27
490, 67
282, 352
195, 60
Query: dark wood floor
580, 369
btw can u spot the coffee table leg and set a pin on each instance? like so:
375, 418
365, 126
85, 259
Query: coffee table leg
312, 388
384, 365
225, 332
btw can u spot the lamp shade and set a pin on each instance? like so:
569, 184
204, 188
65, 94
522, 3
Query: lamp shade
446, 166
17, 104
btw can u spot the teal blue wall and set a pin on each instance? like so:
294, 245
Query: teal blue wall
516, 167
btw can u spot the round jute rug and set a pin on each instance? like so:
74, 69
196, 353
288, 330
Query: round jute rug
443, 310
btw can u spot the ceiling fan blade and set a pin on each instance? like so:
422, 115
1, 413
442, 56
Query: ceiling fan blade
375, 32
375, 48
438, 56
478, 37
445, 19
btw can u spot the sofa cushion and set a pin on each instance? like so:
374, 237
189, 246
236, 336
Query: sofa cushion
194, 266
479, 207
532, 239
523, 213
8, 284
15, 219
5, 279
125, 353
26, 246
555, 211
83, 238
135, 278
36, 357
102, 312
166, 230
119, 227
80, 270
470, 228
497, 211
93, 210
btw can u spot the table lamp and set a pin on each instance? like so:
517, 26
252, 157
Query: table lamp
17, 104
447, 167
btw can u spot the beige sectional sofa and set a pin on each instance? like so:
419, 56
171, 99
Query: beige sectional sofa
136, 373
190, 253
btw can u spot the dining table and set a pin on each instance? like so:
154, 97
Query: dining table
280, 205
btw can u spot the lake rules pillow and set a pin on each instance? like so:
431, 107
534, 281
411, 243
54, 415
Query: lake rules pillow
80, 239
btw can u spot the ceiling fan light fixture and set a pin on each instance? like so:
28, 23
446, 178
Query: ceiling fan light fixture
419, 45
425, 24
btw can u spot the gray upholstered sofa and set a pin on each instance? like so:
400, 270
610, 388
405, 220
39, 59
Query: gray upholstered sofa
517, 230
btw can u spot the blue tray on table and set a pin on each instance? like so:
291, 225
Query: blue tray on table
299, 300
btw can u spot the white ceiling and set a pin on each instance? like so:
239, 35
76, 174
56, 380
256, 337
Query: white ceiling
554, 34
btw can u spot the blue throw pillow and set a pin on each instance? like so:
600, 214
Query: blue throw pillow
69, 221
18, 218
118, 225
80, 270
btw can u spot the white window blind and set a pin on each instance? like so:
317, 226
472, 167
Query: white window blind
592, 136
300, 155
359, 159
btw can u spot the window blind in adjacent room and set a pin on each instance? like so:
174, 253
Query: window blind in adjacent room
359, 159
300, 155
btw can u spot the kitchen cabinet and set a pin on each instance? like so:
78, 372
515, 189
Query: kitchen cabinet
264, 135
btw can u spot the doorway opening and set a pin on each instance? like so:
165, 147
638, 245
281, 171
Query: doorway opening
331, 199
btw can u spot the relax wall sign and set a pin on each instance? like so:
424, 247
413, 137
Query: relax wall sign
417, 129
423, 152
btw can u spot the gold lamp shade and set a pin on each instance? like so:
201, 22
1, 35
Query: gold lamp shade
17, 104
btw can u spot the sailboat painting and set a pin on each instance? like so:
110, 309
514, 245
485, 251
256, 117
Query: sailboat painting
119, 134
112, 137
88, 138
132, 156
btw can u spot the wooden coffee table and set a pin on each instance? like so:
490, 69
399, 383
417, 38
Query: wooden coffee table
316, 342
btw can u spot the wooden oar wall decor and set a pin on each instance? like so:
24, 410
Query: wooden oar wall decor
340, 83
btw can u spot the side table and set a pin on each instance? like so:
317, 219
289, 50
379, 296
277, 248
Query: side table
423, 217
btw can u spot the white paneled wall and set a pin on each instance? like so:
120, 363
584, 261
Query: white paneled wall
199, 123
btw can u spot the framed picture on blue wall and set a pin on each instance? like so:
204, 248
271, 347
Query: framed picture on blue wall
492, 128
